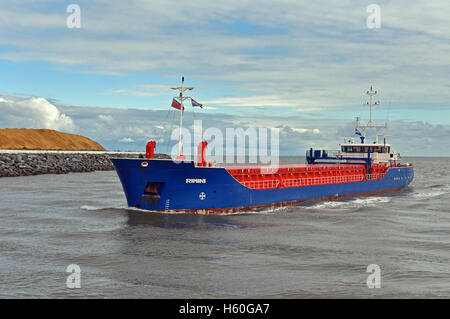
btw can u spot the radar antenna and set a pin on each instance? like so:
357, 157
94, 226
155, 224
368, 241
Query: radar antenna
371, 93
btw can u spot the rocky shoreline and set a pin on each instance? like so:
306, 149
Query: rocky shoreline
27, 164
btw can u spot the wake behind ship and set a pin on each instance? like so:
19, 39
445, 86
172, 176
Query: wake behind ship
357, 168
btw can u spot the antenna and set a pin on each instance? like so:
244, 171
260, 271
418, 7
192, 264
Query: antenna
371, 93
181, 98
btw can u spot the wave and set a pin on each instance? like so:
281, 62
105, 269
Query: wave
353, 203
87, 207
439, 186
429, 194
321, 205
269, 210
124, 208
98, 208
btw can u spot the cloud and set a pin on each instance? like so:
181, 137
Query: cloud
106, 118
297, 132
137, 126
143, 89
279, 60
302, 53
305, 130
266, 101
34, 112
127, 140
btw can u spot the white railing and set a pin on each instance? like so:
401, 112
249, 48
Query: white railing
309, 181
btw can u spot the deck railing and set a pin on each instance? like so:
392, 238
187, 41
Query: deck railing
309, 181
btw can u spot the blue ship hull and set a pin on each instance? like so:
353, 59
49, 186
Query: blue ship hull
184, 187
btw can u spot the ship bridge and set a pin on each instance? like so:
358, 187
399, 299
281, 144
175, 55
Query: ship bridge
351, 152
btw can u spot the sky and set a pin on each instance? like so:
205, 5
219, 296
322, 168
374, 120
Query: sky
300, 66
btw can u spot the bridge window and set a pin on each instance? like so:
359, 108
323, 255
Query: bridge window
347, 149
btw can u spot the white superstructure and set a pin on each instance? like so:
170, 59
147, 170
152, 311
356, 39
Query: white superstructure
379, 152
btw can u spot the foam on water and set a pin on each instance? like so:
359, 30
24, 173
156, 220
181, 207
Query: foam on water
352, 203
428, 194
87, 207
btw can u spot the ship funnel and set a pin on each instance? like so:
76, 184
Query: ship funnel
201, 156
150, 149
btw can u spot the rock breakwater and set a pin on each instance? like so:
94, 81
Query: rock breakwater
26, 164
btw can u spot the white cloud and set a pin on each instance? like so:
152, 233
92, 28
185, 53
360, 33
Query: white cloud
310, 56
35, 112
297, 132
106, 118
137, 127
306, 130
266, 101
308, 53
145, 90
300, 130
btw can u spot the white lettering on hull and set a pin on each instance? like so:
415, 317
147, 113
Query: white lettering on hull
195, 180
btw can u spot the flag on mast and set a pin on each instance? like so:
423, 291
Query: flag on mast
195, 103
176, 104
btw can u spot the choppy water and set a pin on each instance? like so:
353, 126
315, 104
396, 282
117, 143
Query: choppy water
317, 249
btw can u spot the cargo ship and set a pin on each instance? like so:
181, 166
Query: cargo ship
357, 168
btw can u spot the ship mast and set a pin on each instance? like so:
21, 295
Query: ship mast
370, 124
181, 98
